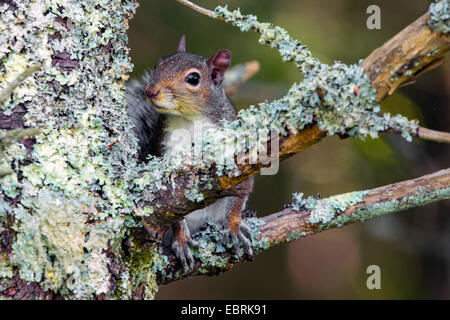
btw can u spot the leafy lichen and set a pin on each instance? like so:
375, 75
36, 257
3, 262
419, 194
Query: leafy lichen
439, 16
323, 210
74, 193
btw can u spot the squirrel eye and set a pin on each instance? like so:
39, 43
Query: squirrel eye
193, 78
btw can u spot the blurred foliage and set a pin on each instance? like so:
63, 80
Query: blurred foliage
333, 264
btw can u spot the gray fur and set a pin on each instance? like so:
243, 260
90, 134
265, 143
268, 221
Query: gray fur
150, 130
148, 123
221, 106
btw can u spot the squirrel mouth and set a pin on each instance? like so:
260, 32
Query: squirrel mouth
163, 104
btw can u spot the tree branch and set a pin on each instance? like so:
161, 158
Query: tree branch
69, 204
433, 135
406, 56
290, 224
239, 74
197, 8
403, 58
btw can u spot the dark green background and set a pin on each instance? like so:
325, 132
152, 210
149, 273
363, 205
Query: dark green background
412, 248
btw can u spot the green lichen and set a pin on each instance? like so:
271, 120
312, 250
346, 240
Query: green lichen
11, 152
75, 200
212, 255
51, 233
324, 210
213, 240
421, 197
294, 235
440, 16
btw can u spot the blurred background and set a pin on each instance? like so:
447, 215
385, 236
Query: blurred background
412, 248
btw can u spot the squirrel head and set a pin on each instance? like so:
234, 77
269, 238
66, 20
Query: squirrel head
187, 84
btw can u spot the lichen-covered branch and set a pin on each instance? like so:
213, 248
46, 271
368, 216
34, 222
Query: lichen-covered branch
433, 135
414, 50
71, 210
239, 74
305, 217
318, 97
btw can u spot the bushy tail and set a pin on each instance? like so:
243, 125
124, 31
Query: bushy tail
147, 121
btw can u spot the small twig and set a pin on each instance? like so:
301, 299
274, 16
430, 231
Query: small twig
433, 135
18, 80
197, 8
239, 74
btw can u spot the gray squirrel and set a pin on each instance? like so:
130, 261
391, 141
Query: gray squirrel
182, 89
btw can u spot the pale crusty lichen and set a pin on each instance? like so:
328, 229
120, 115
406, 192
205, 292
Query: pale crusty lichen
56, 245
324, 210
74, 201
50, 237
141, 270
338, 97
440, 16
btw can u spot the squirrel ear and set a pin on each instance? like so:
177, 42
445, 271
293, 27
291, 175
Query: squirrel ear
219, 63
182, 44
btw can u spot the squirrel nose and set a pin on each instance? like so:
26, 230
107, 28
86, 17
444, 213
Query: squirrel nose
151, 92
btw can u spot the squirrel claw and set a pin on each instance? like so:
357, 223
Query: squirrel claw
182, 245
184, 254
243, 235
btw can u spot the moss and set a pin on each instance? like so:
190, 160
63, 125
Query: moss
142, 267
6, 270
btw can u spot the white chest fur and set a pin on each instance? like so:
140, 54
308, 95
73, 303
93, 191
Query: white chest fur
181, 134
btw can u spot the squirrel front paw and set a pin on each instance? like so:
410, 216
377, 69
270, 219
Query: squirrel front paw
182, 244
239, 233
